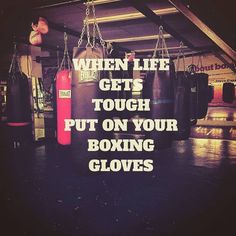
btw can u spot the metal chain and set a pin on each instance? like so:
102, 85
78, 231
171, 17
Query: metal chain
161, 43
94, 36
156, 47
96, 29
66, 61
165, 46
85, 25
181, 52
15, 62
162, 47
102, 42
66, 52
94, 26
199, 63
81, 36
12, 65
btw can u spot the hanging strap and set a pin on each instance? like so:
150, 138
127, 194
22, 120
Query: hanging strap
66, 62
161, 45
181, 53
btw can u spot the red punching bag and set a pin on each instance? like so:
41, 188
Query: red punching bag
63, 88
63, 96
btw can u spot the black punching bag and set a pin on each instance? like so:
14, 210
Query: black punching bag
193, 97
199, 95
228, 92
113, 74
182, 105
18, 100
162, 102
210, 93
18, 108
124, 94
85, 87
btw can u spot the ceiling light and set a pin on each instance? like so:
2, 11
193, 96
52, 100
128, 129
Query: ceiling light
140, 38
159, 49
132, 16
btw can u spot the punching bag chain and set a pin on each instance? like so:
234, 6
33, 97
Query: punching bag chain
66, 61
96, 29
85, 27
102, 42
199, 63
181, 53
161, 45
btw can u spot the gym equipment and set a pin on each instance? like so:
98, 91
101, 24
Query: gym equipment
18, 108
210, 93
63, 91
228, 92
18, 101
35, 38
127, 94
199, 95
199, 92
160, 87
182, 106
85, 86
41, 26
182, 100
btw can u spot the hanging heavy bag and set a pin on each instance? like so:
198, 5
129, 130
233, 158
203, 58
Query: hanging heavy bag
228, 92
123, 94
210, 93
182, 106
162, 103
85, 87
202, 94
193, 97
147, 88
161, 95
111, 53
85, 83
18, 107
199, 93
63, 91
18, 100
182, 99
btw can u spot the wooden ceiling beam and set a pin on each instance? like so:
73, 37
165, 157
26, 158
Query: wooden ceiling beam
146, 11
204, 28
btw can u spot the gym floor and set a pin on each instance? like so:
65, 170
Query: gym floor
48, 190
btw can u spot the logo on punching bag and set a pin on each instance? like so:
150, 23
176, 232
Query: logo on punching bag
194, 89
89, 76
64, 93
